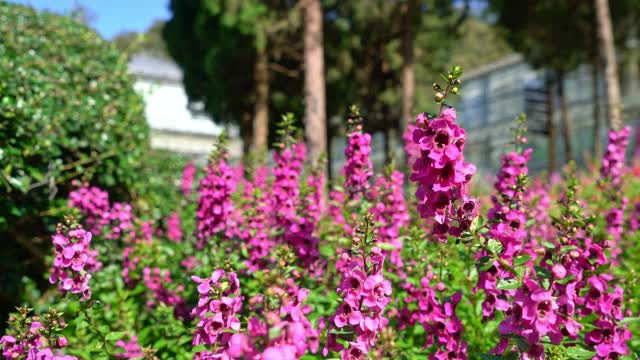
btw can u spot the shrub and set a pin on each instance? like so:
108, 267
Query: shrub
68, 111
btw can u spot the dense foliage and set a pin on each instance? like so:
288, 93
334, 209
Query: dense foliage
261, 267
68, 111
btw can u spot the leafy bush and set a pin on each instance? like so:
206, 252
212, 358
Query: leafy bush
67, 111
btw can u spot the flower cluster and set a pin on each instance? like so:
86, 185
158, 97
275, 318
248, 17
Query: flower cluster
253, 230
439, 320
118, 222
174, 231
608, 338
116, 219
613, 167
284, 333
613, 162
364, 296
129, 349
569, 287
634, 217
507, 229
218, 304
130, 260
74, 261
35, 337
442, 175
214, 202
286, 202
286, 192
188, 175
538, 202
158, 281
93, 204
359, 169
313, 199
390, 212
411, 149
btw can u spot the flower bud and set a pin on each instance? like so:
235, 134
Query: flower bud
454, 90
559, 271
62, 341
439, 97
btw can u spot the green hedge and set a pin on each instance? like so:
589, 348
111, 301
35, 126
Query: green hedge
68, 111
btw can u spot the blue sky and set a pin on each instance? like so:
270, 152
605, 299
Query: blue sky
111, 16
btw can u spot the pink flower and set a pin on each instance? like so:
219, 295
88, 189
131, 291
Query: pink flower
74, 261
365, 294
441, 173
174, 232
93, 203
358, 169
214, 203
378, 291
132, 350
188, 174
217, 313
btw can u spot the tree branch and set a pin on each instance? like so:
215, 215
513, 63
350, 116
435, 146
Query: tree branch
279, 25
283, 70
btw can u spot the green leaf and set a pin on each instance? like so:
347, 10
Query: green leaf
494, 246
511, 355
484, 263
548, 245
199, 348
544, 273
341, 332
520, 260
386, 246
490, 357
566, 279
575, 352
628, 320
477, 223
274, 332
161, 343
116, 335
508, 284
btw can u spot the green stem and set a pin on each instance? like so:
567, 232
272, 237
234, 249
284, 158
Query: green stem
446, 92
97, 330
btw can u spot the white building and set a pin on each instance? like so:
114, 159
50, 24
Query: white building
174, 126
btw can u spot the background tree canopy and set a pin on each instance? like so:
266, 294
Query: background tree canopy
218, 45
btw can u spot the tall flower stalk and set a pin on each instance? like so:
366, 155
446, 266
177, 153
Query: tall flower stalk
441, 174
364, 293
214, 197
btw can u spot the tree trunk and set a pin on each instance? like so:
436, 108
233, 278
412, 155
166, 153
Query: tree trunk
329, 156
611, 66
595, 77
315, 118
552, 130
408, 71
261, 112
387, 145
246, 133
632, 73
566, 123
